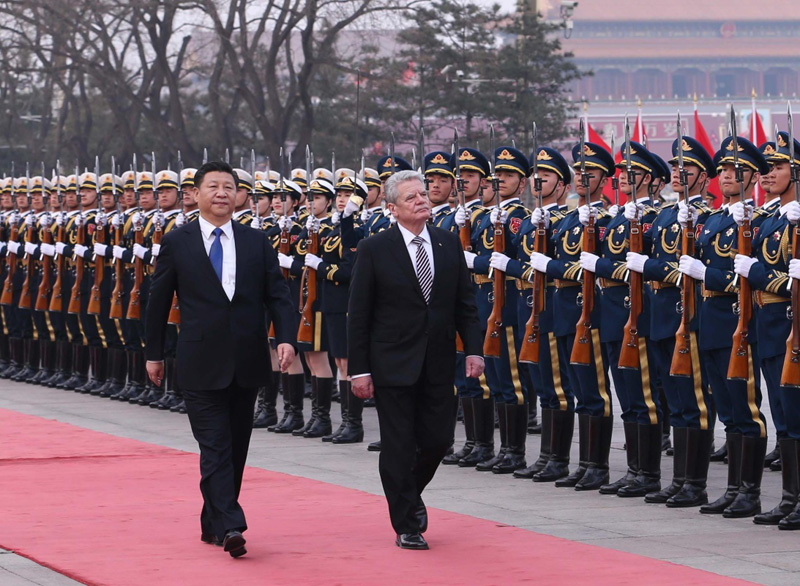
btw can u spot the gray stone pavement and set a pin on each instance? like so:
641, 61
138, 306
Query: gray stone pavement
731, 547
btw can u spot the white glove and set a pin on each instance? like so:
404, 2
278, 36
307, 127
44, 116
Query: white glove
285, 260
180, 219
312, 261
60, 246
61, 219
312, 224
137, 218
100, 249
46, 221
461, 217
469, 257
30, 248
118, 251
540, 261
139, 251
740, 212
793, 211
692, 267
13, 219
255, 223
498, 216
101, 220
586, 212
336, 217
636, 262
30, 219
80, 219
285, 224
79, 250
351, 207
13, 247
686, 213
155, 250
116, 221
366, 215
47, 249
633, 211
614, 210
589, 261
742, 265
794, 268
539, 215
158, 219
499, 261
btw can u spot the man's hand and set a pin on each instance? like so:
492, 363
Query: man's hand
155, 370
474, 366
362, 387
285, 356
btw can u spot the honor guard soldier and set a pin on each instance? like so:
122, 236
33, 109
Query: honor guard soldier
509, 383
6, 211
690, 406
190, 209
624, 322
589, 382
242, 212
439, 179
300, 178
770, 272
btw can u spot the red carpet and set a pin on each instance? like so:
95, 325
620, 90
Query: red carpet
107, 510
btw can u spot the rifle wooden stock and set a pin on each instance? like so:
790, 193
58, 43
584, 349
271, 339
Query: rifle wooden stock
117, 305
494, 325
30, 266
531, 341
56, 298
174, 317
682, 356
582, 346
43, 294
790, 375
739, 364
135, 302
629, 355
7, 297
284, 248
305, 333
466, 244
99, 274
75, 297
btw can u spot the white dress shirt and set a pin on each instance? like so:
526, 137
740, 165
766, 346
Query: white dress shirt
228, 252
412, 248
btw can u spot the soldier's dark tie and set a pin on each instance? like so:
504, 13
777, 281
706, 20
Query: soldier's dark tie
424, 274
215, 254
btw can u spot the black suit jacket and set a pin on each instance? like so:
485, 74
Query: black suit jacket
392, 333
220, 341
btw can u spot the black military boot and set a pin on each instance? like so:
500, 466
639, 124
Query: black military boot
295, 388
30, 353
679, 435
557, 467
483, 415
118, 371
5, 353
771, 457
287, 404
733, 443
322, 422
15, 358
517, 433
631, 429
487, 465
169, 398
791, 522
353, 432
130, 363
63, 363
343, 399
467, 406
648, 479
790, 485
47, 358
720, 455
583, 454
99, 361
698, 449
267, 414
80, 368
534, 427
313, 394
544, 448
91, 380
138, 379
600, 431
748, 500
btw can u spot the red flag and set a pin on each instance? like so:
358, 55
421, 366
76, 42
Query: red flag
702, 137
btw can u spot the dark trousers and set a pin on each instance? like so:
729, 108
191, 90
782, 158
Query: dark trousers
222, 421
417, 427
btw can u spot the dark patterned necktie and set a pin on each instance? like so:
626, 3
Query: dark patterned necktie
423, 269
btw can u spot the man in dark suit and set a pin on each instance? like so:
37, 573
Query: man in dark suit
225, 275
409, 296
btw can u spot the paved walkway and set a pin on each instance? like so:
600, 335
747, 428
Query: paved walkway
735, 548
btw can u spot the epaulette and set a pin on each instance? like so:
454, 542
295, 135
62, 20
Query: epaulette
702, 206
516, 205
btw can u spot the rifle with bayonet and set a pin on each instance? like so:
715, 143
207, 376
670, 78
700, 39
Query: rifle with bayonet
682, 355
174, 316
582, 347
465, 231
135, 301
25, 301
117, 305
494, 325
57, 298
308, 283
285, 242
531, 340
43, 293
790, 375
99, 237
11, 257
80, 234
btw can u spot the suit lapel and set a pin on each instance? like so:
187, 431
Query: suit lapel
241, 250
404, 260
196, 241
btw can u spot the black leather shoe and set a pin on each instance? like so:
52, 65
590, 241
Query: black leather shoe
211, 539
411, 541
421, 515
374, 446
234, 544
